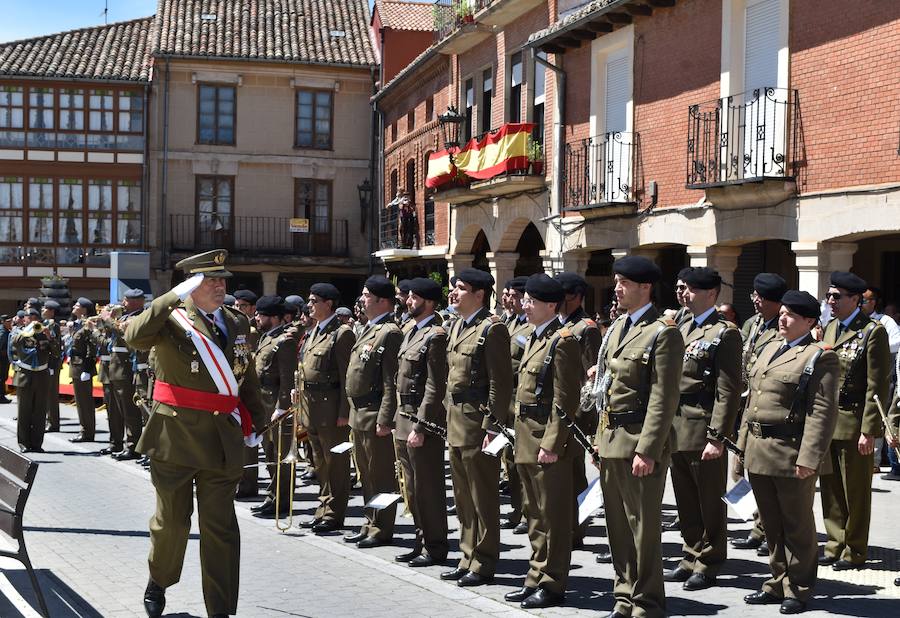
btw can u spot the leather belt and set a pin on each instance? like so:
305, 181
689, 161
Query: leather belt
538, 411
701, 399
321, 386
364, 401
632, 417
22, 365
785, 431
410, 399
471, 395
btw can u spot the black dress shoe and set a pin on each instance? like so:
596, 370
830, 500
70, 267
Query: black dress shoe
106, 450
522, 528
508, 524
763, 549
355, 537
749, 542
127, 455
309, 475
426, 560
792, 606
846, 565
454, 575
268, 510
699, 581
577, 544
761, 598
264, 504
451, 510
410, 555
309, 523
326, 526
51, 429
81, 438
154, 599
520, 595
672, 525
371, 541
23, 448
472, 579
543, 598
37, 449
246, 495
678, 574
603, 557
897, 582
5, 400
827, 560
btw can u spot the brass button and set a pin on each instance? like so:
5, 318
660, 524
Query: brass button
174, 412
216, 413
755, 408
759, 392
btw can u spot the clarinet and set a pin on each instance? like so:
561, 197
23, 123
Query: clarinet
432, 428
718, 436
490, 415
579, 435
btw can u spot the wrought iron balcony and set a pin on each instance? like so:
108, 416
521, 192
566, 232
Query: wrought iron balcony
456, 19
398, 230
601, 171
749, 137
255, 236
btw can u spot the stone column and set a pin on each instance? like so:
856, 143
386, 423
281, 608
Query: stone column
723, 259
160, 282
457, 262
270, 282
502, 266
576, 262
817, 260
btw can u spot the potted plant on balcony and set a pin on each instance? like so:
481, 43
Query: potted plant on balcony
464, 12
536, 156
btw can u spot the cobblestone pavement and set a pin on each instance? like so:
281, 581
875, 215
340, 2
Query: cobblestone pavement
86, 530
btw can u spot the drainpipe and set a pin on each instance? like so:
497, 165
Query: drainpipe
163, 194
559, 145
375, 163
145, 174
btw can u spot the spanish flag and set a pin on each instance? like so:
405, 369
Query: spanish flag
504, 151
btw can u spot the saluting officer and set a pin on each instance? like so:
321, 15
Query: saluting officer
710, 399
54, 334
82, 355
421, 386
549, 381
372, 390
645, 361
864, 353
121, 374
206, 404
30, 354
113, 413
324, 358
791, 414
519, 331
479, 380
276, 362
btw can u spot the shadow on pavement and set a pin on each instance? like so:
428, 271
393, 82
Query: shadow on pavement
143, 533
62, 601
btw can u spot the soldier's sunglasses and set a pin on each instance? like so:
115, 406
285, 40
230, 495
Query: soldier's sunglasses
833, 295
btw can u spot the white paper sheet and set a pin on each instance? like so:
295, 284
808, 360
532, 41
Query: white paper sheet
382, 501
589, 500
496, 445
741, 500
343, 447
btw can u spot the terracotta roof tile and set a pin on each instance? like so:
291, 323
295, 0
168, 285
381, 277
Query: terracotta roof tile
305, 31
406, 15
117, 51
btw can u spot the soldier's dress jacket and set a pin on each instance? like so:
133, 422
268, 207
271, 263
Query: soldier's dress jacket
422, 378
194, 438
276, 361
587, 334
371, 375
324, 359
82, 354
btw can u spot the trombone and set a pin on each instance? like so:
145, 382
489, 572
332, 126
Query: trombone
291, 458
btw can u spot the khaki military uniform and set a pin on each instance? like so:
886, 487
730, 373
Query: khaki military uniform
774, 447
30, 357
141, 368
710, 397
519, 333
188, 446
542, 388
113, 413
371, 389
276, 362
323, 370
847, 492
480, 374
82, 359
121, 377
642, 399
421, 386
249, 485
54, 334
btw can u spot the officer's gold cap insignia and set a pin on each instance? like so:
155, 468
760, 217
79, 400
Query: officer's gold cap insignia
210, 264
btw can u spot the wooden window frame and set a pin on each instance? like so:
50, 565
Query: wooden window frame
313, 146
215, 141
198, 178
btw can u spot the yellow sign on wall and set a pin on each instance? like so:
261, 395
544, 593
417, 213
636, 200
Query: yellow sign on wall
300, 225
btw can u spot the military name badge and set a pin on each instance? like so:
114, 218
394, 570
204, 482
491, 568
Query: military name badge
195, 366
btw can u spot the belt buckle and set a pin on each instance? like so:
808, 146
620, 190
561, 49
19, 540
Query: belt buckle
755, 428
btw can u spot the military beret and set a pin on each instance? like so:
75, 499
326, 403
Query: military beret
326, 291
453, 280
270, 306
403, 286
572, 283
702, 278
849, 282
295, 299
52, 304
34, 312
637, 268
291, 308
517, 284
380, 286
20, 314
429, 289
344, 312
209, 264
683, 272
770, 286
134, 293
87, 303
545, 288
230, 300
247, 296
5, 317
478, 279
34, 302
801, 303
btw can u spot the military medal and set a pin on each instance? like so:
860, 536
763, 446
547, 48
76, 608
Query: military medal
364, 353
195, 367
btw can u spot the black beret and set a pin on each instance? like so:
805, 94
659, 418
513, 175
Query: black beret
572, 283
702, 278
429, 289
344, 311
543, 287
478, 279
134, 293
51, 304
34, 312
801, 303
246, 296
770, 286
230, 300
637, 268
849, 282
20, 314
87, 303
517, 284
403, 286
291, 308
295, 299
380, 286
453, 281
326, 291
4, 317
683, 272
270, 306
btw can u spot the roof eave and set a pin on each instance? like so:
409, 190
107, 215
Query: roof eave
589, 17
342, 65
75, 79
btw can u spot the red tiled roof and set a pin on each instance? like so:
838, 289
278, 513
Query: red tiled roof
406, 15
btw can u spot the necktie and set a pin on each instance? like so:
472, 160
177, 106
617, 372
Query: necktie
693, 326
779, 352
411, 333
222, 338
625, 328
841, 329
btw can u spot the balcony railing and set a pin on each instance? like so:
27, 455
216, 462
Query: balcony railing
452, 14
398, 231
51, 140
601, 170
752, 136
258, 235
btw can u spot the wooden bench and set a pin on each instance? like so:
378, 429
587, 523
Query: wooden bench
16, 477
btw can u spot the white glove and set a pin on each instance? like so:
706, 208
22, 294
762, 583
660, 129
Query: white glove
277, 414
253, 440
184, 289
85, 376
